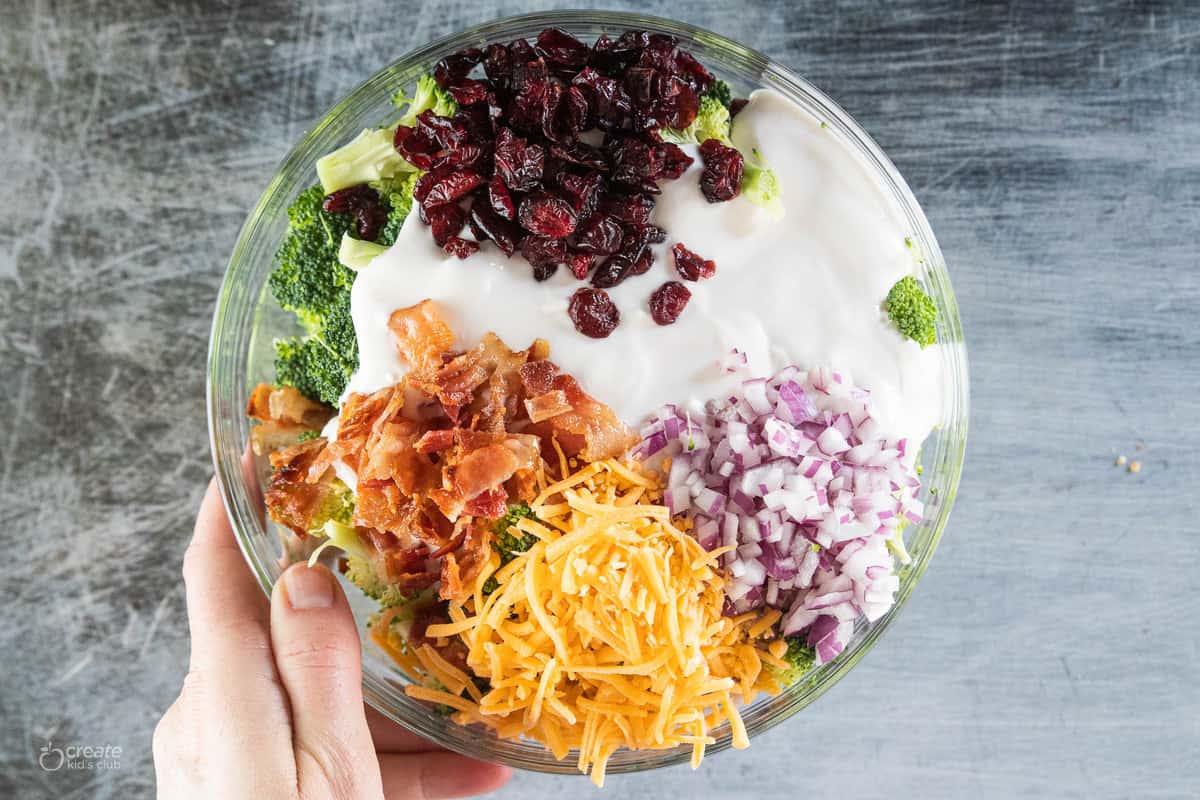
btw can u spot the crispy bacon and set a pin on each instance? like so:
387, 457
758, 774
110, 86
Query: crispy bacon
285, 413
462, 567
440, 454
422, 336
292, 499
589, 429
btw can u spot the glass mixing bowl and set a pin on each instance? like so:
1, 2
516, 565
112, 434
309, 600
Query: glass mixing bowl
247, 320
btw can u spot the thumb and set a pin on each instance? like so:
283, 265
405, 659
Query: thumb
317, 653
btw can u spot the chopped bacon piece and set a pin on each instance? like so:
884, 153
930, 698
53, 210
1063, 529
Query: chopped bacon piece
422, 336
461, 568
435, 441
285, 413
589, 429
545, 406
292, 499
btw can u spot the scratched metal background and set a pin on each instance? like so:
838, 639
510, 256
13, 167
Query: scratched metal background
1051, 650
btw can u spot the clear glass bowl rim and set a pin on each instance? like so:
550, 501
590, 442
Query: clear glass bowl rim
227, 389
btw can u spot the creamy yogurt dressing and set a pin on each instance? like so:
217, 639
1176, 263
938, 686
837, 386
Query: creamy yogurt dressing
804, 289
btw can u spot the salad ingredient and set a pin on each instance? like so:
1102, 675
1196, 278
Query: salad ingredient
722, 176
363, 202
307, 279
607, 632
668, 301
760, 186
434, 458
797, 657
912, 311
593, 312
797, 475
285, 415
369, 157
841, 239
313, 367
427, 96
690, 266
356, 254
711, 122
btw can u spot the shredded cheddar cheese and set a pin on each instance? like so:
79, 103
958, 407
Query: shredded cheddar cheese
607, 633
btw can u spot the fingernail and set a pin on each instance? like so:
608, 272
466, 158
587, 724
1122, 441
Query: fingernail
308, 587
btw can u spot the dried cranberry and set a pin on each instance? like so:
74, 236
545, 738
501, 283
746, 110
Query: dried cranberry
643, 262
619, 266
675, 161
500, 200
486, 224
692, 70
467, 92
518, 163
547, 215
448, 132
607, 100
527, 72
527, 107
573, 114
457, 246
681, 110
455, 67
449, 187
561, 47
543, 254
583, 191
599, 235
722, 176
593, 313
690, 266
736, 105
414, 147
446, 221
369, 212
668, 301
522, 51
581, 154
580, 264
633, 161
552, 101
498, 65
633, 208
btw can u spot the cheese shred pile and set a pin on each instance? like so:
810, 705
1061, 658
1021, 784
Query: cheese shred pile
607, 633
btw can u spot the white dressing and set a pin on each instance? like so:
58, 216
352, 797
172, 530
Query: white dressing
804, 289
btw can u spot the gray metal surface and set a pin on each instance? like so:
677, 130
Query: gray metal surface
1051, 651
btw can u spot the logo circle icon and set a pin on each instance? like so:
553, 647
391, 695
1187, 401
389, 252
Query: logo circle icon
47, 760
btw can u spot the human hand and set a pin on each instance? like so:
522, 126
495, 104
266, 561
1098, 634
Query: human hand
272, 704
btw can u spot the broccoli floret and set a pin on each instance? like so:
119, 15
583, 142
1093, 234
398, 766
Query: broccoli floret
719, 90
427, 96
360, 572
711, 122
356, 254
760, 185
509, 542
800, 658
370, 157
307, 278
397, 192
310, 366
912, 311
308, 436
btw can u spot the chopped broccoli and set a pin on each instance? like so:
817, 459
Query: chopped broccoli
510, 543
307, 278
356, 254
760, 185
912, 311
362, 574
310, 366
397, 192
308, 436
719, 90
800, 658
371, 156
427, 96
711, 122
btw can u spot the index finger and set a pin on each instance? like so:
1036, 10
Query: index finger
227, 611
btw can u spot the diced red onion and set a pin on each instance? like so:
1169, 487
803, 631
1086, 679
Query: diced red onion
796, 473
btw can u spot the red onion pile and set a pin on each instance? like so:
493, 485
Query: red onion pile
796, 474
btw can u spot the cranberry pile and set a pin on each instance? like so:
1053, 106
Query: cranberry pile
513, 165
